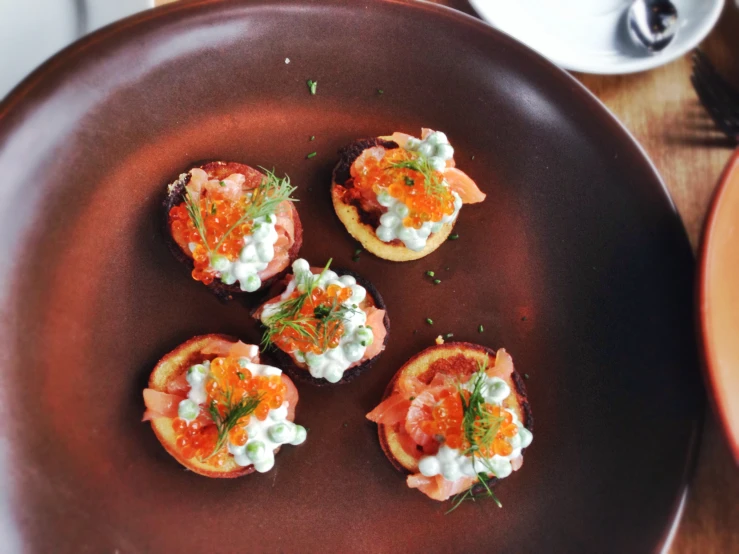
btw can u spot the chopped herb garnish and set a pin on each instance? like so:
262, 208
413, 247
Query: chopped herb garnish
472, 157
523, 318
346, 424
448, 336
437, 281
412, 398
311, 155
312, 138
480, 329
525, 375
241, 375
222, 183
430, 273
312, 85
213, 209
228, 419
447, 268
408, 181
429, 321
380, 91
454, 236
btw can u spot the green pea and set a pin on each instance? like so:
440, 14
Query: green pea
281, 433
256, 451
364, 335
252, 283
188, 409
300, 435
219, 262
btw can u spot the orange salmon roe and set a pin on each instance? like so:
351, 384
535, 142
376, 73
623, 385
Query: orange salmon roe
406, 185
219, 215
317, 336
447, 423
227, 385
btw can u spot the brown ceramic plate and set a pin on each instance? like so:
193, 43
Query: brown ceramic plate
718, 301
577, 263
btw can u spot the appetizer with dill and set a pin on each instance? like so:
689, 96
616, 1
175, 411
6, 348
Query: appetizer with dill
326, 326
455, 419
219, 411
400, 196
234, 227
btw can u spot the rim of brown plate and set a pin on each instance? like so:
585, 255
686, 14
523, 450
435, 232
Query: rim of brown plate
720, 358
14, 99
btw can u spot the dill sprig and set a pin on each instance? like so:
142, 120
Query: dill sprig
315, 327
233, 414
193, 210
432, 180
469, 495
480, 428
479, 425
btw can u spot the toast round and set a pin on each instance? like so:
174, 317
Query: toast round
176, 195
299, 373
362, 225
458, 358
169, 368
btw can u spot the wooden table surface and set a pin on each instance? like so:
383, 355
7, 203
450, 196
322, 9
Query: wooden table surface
661, 110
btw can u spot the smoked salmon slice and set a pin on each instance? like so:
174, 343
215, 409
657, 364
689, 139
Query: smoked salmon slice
160, 404
179, 385
224, 348
375, 320
438, 488
390, 411
418, 412
461, 183
503, 367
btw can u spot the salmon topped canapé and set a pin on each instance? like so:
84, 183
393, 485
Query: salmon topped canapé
218, 410
330, 325
400, 196
454, 417
236, 226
